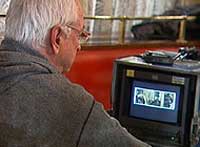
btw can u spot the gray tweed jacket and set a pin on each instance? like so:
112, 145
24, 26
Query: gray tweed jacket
39, 107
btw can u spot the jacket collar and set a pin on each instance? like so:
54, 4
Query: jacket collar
12, 45
24, 53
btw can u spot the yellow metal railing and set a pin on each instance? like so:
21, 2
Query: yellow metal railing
124, 19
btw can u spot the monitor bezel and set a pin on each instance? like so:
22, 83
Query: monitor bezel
125, 103
144, 127
169, 86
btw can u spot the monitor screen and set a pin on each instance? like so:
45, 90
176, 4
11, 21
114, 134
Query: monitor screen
154, 101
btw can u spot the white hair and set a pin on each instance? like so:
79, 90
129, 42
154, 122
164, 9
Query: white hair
30, 21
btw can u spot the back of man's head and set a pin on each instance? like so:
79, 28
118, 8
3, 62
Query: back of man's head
30, 21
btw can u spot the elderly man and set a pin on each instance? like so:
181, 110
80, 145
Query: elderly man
39, 107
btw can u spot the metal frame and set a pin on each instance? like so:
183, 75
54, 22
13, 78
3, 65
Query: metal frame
123, 19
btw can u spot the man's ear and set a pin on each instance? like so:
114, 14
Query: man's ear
55, 38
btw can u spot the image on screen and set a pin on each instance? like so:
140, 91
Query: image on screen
154, 98
154, 101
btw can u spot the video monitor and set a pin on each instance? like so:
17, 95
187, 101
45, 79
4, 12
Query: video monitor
154, 101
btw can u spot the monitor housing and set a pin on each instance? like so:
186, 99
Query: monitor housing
157, 103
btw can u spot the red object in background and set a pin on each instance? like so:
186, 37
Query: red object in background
93, 70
